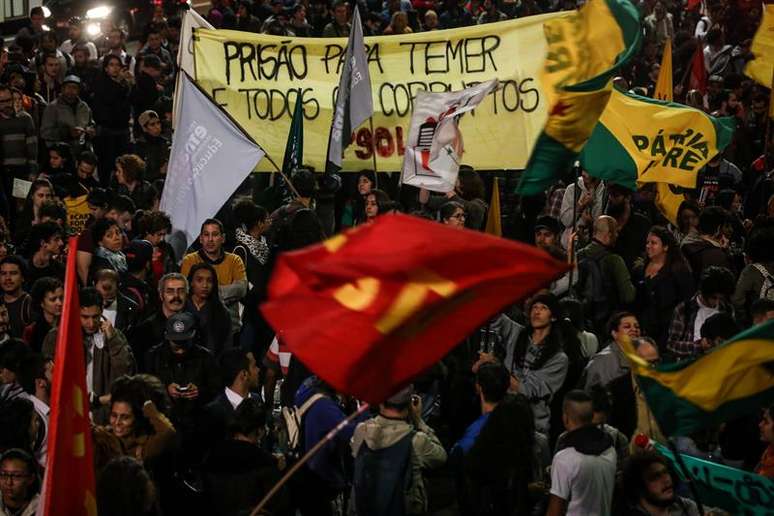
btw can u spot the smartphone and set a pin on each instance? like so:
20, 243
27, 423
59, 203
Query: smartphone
183, 389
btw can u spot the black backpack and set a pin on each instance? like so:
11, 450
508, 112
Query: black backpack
594, 288
382, 478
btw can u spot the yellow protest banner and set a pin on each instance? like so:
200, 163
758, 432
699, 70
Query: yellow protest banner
258, 78
762, 48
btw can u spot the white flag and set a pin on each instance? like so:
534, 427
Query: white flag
435, 146
210, 158
185, 55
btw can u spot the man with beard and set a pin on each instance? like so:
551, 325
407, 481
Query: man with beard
68, 118
649, 488
173, 292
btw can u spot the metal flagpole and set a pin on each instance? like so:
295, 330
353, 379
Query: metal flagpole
308, 455
373, 150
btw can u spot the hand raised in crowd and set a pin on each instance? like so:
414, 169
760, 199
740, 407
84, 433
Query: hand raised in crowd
483, 358
107, 329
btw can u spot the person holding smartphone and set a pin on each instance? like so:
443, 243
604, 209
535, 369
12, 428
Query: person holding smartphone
188, 371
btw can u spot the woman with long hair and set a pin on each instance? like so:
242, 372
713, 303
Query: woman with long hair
60, 162
354, 208
204, 302
663, 281
377, 203
138, 426
41, 191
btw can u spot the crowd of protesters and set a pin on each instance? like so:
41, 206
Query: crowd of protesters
193, 398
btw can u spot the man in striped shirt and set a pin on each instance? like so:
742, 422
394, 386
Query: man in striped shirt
19, 141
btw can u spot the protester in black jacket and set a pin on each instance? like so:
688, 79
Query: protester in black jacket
111, 109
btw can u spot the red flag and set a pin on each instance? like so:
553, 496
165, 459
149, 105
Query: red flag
697, 76
691, 5
369, 309
68, 487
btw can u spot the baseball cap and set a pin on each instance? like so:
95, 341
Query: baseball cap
147, 116
180, 326
547, 222
72, 79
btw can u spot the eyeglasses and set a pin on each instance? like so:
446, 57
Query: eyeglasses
16, 477
458, 216
152, 123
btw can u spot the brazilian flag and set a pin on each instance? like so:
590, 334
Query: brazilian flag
585, 50
732, 380
639, 139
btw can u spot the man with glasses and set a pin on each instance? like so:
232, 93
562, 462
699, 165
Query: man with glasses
19, 484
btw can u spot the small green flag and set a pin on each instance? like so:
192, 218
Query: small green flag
294, 149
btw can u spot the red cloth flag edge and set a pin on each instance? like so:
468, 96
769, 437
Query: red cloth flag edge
68, 485
370, 309
697, 76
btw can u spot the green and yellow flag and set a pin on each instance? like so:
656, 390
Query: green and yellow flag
668, 201
663, 90
585, 50
760, 68
494, 224
732, 380
639, 139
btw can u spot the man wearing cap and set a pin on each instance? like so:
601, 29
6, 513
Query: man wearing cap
399, 419
151, 146
68, 118
546, 232
75, 30
186, 369
108, 355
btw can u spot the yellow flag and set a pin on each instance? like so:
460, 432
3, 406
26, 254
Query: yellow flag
762, 48
668, 202
664, 82
494, 224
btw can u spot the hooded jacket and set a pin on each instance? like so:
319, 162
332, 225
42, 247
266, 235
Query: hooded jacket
427, 452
